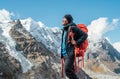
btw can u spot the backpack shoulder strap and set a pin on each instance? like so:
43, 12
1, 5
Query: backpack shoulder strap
70, 34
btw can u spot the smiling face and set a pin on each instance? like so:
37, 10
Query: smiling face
64, 21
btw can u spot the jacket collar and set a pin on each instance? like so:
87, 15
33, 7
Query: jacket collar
67, 26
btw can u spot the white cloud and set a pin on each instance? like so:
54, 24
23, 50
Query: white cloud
5, 15
117, 46
99, 27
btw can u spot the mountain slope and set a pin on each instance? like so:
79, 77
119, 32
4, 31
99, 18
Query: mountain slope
9, 66
45, 62
50, 37
102, 58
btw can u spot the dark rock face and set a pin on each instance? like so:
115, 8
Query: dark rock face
9, 66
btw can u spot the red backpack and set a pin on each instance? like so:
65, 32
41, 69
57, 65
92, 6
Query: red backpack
79, 51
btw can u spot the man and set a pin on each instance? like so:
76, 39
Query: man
67, 48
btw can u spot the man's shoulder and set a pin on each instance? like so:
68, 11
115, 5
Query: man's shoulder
74, 27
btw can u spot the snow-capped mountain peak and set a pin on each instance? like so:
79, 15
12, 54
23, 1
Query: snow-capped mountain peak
29, 24
50, 37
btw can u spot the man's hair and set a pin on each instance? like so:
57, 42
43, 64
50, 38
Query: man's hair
69, 18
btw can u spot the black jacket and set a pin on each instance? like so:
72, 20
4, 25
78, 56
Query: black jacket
79, 37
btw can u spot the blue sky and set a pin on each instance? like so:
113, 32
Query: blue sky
50, 12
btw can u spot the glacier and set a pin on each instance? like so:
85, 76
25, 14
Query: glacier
10, 46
